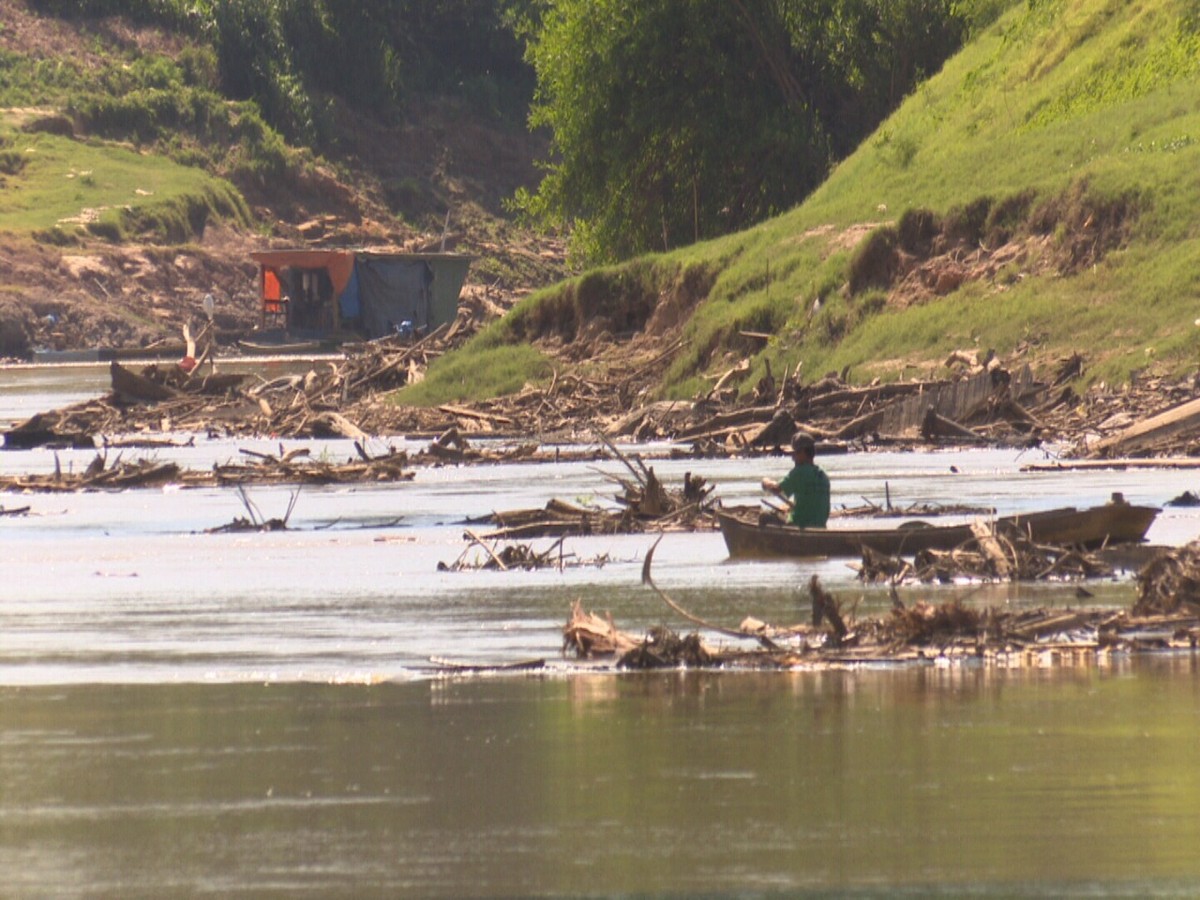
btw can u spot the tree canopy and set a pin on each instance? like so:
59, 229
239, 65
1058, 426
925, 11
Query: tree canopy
677, 120
292, 56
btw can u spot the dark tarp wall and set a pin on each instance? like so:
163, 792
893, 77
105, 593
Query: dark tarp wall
391, 292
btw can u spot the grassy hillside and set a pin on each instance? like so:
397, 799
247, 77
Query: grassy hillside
1041, 194
57, 187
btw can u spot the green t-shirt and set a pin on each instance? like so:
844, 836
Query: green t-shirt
808, 488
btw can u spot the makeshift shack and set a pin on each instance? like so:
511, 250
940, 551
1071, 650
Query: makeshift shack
313, 293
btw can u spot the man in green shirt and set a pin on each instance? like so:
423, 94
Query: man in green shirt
806, 486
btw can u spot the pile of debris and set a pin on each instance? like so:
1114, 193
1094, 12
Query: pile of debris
348, 398
290, 467
999, 551
1165, 617
196, 398
518, 556
646, 504
299, 467
1170, 584
98, 476
558, 518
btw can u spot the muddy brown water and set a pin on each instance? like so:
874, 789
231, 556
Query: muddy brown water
183, 712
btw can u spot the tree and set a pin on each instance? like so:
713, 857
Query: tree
666, 126
676, 120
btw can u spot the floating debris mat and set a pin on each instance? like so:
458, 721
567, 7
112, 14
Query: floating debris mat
98, 476
921, 632
293, 467
997, 552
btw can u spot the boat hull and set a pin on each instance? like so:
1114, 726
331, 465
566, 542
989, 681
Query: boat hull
1097, 526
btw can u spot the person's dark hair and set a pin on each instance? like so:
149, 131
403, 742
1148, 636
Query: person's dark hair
803, 443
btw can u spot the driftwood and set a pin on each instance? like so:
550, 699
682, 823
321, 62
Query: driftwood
994, 554
935, 426
98, 476
557, 518
646, 505
1156, 429
451, 666
826, 609
343, 398
294, 467
297, 467
919, 632
591, 636
869, 509
651, 501
254, 519
1114, 464
518, 556
998, 403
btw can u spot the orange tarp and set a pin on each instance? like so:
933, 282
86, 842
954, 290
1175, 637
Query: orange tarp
338, 263
270, 285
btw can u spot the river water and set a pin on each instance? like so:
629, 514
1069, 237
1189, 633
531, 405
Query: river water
184, 712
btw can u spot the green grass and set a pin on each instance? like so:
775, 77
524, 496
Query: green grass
68, 187
141, 111
1095, 105
1079, 107
482, 371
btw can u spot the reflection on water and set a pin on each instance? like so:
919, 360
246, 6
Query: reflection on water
183, 712
914, 779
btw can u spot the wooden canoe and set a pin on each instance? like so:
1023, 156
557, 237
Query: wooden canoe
153, 384
137, 388
1117, 522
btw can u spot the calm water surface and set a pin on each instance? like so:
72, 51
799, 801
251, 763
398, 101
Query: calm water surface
183, 712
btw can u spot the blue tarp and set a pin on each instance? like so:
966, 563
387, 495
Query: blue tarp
348, 302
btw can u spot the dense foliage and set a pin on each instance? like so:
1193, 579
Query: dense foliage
675, 120
292, 57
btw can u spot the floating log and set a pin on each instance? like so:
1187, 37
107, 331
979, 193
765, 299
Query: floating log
989, 543
522, 665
